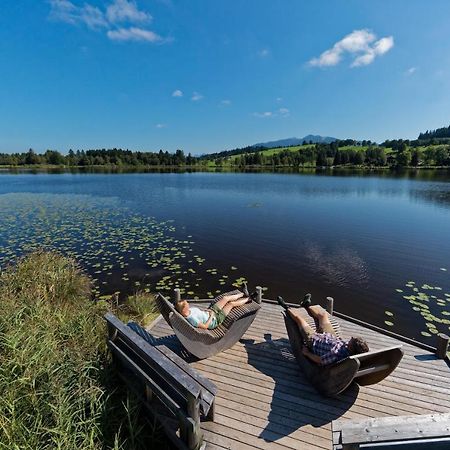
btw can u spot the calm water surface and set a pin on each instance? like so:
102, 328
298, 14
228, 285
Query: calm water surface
359, 239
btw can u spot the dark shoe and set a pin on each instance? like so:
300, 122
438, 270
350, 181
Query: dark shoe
282, 303
306, 302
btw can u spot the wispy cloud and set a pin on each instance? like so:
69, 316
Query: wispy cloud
118, 11
263, 115
279, 99
281, 112
66, 11
161, 125
126, 11
196, 97
225, 102
264, 53
134, 34
362, 45
411, 70
177, 93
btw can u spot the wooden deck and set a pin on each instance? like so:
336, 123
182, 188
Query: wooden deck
264, 402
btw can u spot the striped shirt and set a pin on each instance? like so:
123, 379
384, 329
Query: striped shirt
330, 348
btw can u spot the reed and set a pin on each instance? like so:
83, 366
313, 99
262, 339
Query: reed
58, 389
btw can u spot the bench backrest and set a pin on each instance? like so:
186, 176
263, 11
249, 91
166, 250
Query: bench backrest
208, 388
173, 387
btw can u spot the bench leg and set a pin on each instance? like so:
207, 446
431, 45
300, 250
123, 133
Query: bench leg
210, 416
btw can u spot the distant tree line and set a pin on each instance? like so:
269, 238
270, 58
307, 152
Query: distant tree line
432, 148
338, 154
439, 133
116, 157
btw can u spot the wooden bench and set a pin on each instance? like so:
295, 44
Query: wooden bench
176, 394
417, 431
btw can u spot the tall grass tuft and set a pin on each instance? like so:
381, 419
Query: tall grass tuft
57, 387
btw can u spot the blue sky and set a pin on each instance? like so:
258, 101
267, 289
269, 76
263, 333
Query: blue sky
211, 75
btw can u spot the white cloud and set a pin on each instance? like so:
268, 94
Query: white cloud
263, 115
411, 70
264, 53
66, 11
161, 125
126, 11
284, 112
196, 97
134, 34
279, 99
117, 11
177, 93
361, 44
225, 102
379, 48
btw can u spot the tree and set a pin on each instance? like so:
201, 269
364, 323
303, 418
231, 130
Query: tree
416, 157
403, 159
31, 157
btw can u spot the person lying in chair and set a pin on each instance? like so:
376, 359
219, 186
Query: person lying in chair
322, 347
215, 315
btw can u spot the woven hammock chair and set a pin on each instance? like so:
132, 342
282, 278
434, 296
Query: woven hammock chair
364, 369
205, 343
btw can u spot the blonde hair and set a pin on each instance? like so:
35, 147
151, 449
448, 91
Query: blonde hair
180, 305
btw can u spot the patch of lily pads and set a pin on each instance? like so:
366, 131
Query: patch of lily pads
428, 301
123, 251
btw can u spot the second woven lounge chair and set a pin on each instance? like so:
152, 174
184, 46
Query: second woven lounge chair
205, 343
364, 369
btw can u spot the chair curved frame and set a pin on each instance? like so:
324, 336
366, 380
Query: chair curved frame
364, 369
205, 343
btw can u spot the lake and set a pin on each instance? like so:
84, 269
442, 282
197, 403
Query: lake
378, 243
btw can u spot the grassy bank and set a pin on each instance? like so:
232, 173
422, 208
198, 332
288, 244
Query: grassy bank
58, 389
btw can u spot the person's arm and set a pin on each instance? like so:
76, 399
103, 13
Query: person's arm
206, 325
314, 358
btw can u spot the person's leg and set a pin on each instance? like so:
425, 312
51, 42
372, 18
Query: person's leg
321, 319
230, 305
228, 298
306, 331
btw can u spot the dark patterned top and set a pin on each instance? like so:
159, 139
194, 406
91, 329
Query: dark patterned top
330, 348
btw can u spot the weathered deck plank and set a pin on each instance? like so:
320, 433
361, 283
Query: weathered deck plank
264, 402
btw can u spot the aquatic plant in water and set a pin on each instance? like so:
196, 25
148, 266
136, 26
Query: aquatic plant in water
121, 250
428, 301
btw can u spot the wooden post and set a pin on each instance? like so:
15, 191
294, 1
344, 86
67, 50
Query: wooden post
442, 345
258, 294
330, 305
176, 296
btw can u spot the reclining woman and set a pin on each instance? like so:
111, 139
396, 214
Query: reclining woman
322, 346
215, 314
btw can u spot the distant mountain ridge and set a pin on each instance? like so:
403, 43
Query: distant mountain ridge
296, 141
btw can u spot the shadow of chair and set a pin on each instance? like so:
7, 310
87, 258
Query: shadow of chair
294, 402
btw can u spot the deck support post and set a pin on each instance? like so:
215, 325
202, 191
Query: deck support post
258, 294
330, 305
176, 296
442, 345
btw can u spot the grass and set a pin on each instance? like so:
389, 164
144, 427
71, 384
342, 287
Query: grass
58, 389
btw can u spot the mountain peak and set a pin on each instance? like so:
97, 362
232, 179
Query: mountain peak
296, 141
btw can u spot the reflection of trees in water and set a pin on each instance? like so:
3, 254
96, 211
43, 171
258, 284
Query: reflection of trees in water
439, 195
339, 265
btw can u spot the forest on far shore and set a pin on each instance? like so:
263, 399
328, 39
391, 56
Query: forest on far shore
431, 149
